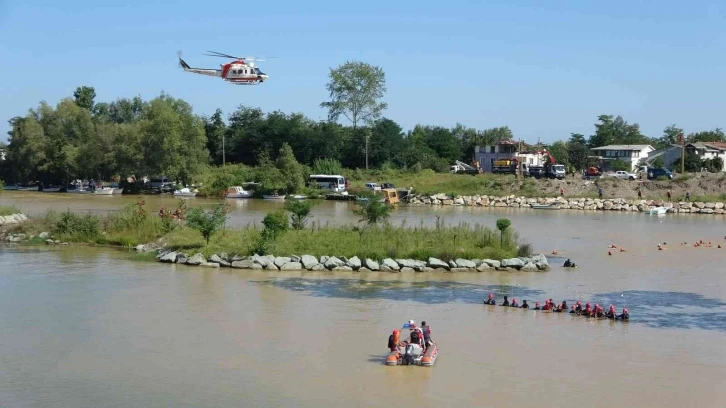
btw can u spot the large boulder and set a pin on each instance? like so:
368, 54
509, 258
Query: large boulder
167, 257
465, 263
333, 262
492, 263
282, 260
391, 264
218, 260
437, 263
354, 263
308, 261
291, 266
512, 263
541, 262
196, 259
243, 264
371, 264
529, 267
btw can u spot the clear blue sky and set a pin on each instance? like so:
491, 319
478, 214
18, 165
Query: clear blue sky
544, 68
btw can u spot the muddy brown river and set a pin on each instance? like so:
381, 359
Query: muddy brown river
92, 328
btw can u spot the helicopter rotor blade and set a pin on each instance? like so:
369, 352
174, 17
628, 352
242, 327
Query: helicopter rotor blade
219, 54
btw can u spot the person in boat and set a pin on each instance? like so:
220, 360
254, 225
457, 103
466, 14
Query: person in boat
536, 306
490, 301
426, 330
524, 305
514, 303
506, 302
624, 316
572, 310
416, 336
569, 264
393, 340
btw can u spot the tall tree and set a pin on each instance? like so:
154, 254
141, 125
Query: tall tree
559, 151
355, 89
215, 129
85, 96
615, 130
577, 151
715, 135
670, 136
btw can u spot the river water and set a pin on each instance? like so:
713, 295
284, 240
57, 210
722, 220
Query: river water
90, 328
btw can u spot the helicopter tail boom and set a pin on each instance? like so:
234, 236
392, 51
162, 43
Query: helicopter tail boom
202, 71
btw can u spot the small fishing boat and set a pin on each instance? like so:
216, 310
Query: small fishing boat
273, 197
296, 197
552, 206
185, 192
658, 210
13, 187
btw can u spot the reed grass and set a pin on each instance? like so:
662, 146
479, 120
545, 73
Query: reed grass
9, 210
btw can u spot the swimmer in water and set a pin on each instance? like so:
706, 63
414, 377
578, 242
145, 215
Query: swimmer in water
525, 305
506, 302
611, 312
490, 301
536, 306
578, 307
514, 303
624, 316
572, 310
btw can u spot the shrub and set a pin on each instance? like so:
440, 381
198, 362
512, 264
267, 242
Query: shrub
80, 228
300, 210
207, 222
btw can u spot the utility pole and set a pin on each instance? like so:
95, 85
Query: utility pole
683, 153
368, 135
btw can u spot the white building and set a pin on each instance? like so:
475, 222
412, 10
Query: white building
632, 154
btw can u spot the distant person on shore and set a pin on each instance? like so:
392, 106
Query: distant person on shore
506, 302
668, 194
688, 196
599, 192
640, 194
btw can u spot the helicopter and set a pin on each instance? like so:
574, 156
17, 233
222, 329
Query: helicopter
241, 71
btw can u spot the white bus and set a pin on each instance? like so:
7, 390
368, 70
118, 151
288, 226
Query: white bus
334, 182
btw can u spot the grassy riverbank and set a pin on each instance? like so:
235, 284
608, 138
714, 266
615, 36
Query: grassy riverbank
133, 226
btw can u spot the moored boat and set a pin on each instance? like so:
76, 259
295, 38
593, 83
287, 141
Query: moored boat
552, 206
273, 197
296, 197
658, 210
185, 192
237, 192
103, 191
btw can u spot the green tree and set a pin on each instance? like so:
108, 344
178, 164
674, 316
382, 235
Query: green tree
84, 97
658, 162
670, 136
372, 210
300, 212
327, 166
292, 172
207, 222
577, 151
502, 225
355, 89
215, 130
615, 130
716, 135
559, 151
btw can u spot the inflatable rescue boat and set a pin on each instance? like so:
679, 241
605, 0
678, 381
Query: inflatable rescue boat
413, 354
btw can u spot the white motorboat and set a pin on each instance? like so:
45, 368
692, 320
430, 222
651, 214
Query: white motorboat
658, 210
104, 191
237, 192
551, 206
297, 197
185, 192
273, 197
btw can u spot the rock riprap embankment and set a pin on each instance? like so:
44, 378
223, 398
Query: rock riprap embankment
591, 204
534, 263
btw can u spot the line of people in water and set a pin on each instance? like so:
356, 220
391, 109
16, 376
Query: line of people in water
576, 309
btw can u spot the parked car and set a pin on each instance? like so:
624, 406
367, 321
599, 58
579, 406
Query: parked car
624, 175
655, 173
387, 185
373, 186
